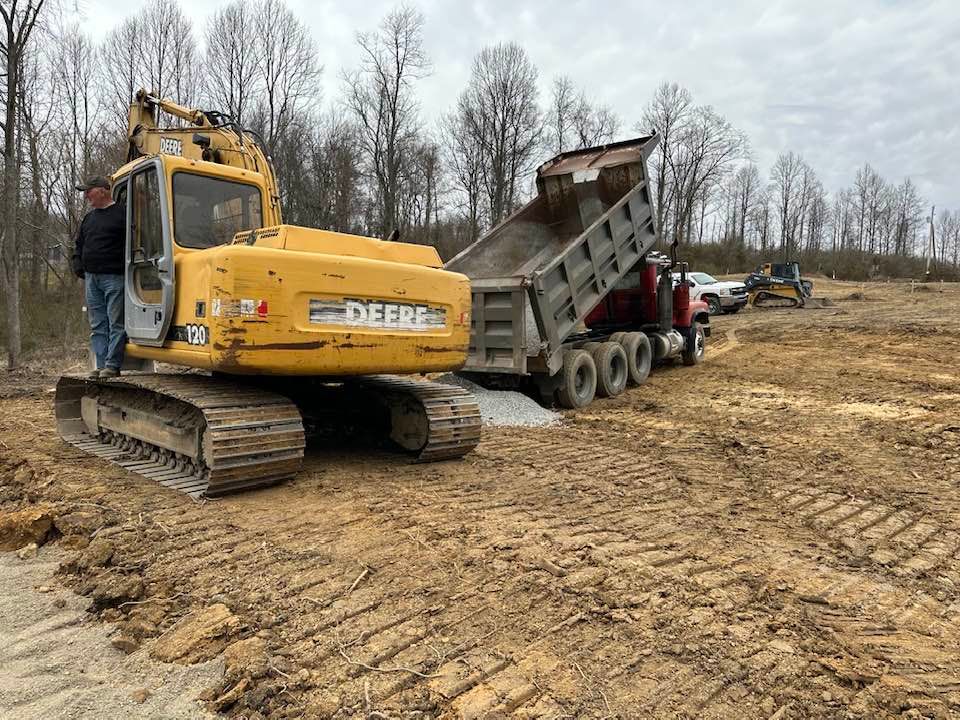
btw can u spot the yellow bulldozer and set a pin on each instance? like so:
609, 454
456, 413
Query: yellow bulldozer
780, 285
284, 329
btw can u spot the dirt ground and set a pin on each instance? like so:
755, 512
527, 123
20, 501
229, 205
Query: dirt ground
773, 534
58, 662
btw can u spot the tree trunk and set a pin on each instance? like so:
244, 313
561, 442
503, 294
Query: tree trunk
10, 260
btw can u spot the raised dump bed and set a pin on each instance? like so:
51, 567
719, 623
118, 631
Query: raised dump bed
538, 275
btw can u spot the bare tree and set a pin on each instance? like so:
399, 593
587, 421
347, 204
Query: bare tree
573, 122
743, 191
380, 94
563, 105
760, 221
705, 149
908, 216
233, 56
948, 230
499, 112
166, 48
122, 63
785, 180
288, 69
19, 24
666, 115
464, 164
74, 68
594, 125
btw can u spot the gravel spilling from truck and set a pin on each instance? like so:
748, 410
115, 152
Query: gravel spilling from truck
505, 408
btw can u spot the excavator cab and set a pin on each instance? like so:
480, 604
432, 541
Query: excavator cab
175, 207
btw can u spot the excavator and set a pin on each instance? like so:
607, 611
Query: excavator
278, 331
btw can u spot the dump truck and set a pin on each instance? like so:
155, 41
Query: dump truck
568, 298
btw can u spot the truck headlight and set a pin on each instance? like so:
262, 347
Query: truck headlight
725, 291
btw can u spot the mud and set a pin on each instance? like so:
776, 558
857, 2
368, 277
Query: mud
770, 534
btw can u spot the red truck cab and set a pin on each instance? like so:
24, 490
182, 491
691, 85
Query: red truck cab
635, 303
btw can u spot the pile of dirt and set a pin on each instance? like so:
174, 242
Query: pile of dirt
200, 636
19, 528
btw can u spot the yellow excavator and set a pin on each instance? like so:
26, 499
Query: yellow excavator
283, 329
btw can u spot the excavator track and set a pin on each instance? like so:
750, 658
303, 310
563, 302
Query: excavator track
191, 433
207, 437
433, 420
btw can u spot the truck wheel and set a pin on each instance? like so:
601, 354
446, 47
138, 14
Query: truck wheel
695, 345
639, 357
611, 362
578, 379
618, 337
713, 304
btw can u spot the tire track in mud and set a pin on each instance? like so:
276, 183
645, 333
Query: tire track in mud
669, 554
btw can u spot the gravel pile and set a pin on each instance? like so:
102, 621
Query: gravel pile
505, 407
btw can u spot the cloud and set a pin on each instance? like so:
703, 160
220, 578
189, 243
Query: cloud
841, 83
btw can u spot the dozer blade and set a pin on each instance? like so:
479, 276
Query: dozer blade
191, 433
432, 420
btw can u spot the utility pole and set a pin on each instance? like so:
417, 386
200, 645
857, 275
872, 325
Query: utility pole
931, 251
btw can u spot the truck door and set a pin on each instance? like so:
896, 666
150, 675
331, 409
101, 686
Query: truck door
149, 276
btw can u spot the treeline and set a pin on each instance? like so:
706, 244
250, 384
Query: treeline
371, 159
710, 192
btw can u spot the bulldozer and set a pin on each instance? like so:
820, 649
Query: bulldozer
277, 331
778, 285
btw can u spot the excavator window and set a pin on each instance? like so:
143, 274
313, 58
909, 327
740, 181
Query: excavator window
209, 211
146, 235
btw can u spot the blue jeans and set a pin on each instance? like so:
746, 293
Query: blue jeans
105, 311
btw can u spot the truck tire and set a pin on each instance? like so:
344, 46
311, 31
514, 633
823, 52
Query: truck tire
695, 344
612, 373
639, 357
618, 337
578, 379
713, 304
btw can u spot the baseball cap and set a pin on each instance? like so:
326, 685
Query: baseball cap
95, 181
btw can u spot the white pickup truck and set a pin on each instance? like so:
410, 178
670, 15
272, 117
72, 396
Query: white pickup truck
719, 295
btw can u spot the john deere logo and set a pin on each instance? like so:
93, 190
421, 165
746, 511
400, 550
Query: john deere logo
377, 314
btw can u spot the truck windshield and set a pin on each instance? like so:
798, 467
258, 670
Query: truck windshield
703, 278
209, 211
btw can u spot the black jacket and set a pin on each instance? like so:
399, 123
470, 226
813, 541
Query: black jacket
99, 245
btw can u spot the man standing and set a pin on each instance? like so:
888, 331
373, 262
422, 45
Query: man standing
98, 258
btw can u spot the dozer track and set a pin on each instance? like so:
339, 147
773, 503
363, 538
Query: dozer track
207, 437
775, 299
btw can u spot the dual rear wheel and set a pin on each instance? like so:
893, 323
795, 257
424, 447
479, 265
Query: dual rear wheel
603, 369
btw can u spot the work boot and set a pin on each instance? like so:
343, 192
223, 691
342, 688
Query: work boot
94, 374
109, 373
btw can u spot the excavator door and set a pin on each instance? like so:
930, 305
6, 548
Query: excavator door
149, 275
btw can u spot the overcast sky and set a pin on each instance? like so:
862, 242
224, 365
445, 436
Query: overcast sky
841, 82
